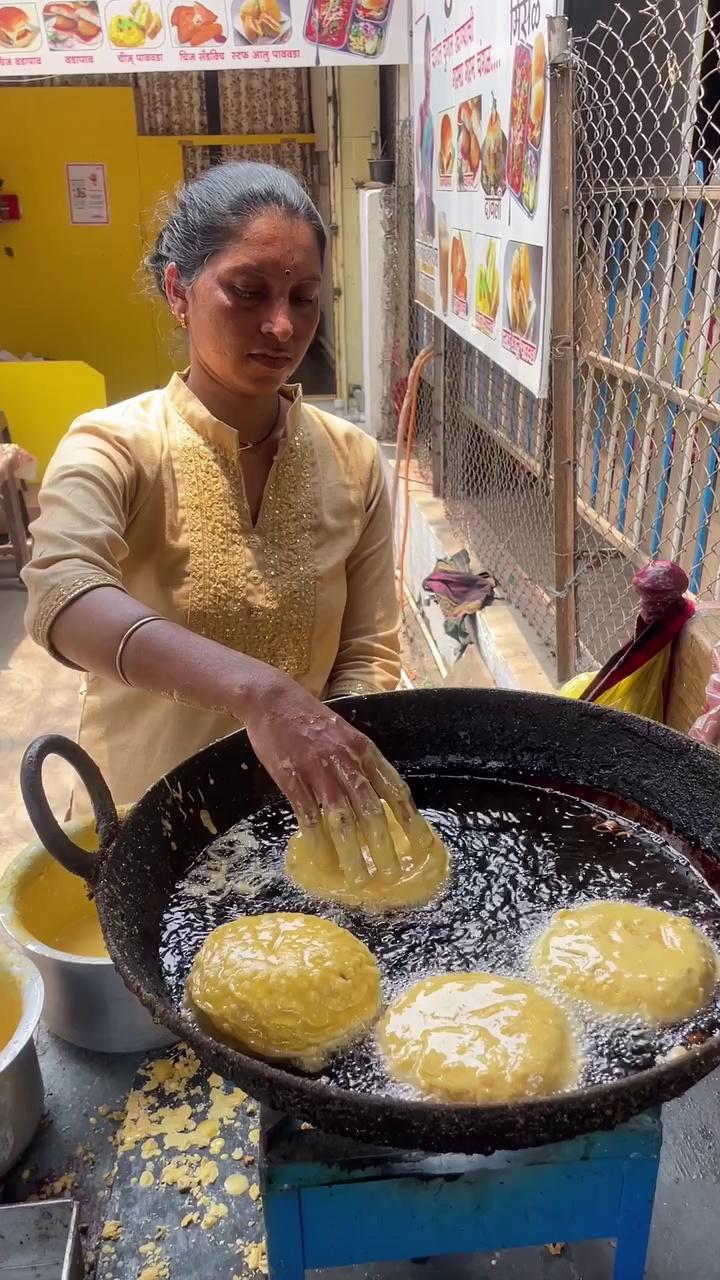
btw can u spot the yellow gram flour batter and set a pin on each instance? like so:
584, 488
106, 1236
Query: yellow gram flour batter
286, 986
51, 905
478, 1038
10, 1007
312, 863
629, 960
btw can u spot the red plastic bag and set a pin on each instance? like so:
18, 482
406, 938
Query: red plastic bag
706, 728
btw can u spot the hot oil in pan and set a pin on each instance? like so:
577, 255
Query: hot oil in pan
519, 853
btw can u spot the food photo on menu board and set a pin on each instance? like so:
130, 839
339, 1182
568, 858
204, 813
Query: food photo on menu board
261, 22
195, 25
482, 170
460, 242
71, 25
20, 28
135, 26
469, 140
527, 114
523, 291
493, 155
446, 151
488, 250
110, 36
355, 26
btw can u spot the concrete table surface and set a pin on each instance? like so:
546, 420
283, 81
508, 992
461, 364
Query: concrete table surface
86, 1095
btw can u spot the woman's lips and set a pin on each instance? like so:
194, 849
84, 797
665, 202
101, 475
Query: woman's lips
270, 360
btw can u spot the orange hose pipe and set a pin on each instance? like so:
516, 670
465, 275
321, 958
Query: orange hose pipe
406, 427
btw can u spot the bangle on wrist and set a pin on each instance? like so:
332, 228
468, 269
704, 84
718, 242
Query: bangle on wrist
141, 622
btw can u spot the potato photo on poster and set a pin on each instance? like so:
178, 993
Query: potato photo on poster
460, 250
522, 275
469, 140
446, 150
488, 284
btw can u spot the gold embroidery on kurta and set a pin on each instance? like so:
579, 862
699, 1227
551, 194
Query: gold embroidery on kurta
59, 598
253, 590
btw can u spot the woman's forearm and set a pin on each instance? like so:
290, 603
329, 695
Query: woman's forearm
161, 657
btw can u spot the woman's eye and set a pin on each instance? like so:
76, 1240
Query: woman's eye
306, 300
248, 295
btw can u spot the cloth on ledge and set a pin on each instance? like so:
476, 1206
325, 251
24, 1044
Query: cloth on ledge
460, 594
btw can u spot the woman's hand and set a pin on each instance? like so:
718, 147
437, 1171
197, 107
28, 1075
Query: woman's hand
333, 774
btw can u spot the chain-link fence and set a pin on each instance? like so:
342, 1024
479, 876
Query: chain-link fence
647, 117
646, 125
496, 478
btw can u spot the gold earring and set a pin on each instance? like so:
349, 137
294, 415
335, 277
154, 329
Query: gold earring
183, 319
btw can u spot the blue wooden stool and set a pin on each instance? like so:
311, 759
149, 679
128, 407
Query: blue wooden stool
329, 1202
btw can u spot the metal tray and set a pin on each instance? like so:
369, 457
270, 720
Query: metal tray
40, 1241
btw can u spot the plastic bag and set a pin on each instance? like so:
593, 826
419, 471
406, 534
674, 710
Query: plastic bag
707, 726
640, 693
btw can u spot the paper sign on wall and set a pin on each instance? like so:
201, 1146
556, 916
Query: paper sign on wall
482, 175
87, 194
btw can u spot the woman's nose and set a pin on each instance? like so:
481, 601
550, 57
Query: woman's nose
278, 324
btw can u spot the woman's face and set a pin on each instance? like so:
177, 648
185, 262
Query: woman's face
253, 310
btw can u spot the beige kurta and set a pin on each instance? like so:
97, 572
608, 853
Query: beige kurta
149, 496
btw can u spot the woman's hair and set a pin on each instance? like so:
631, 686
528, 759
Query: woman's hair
214, 208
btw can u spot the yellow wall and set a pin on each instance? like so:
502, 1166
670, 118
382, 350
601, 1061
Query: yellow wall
78, 293
40, 399
75, 292
359, 114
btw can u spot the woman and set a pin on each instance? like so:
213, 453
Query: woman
220, 553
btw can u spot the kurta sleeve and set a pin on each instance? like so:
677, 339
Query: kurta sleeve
368, 659
79, 536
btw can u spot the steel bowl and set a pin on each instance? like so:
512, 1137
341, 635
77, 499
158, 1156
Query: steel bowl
21, 1087
41, 1241
86, 1000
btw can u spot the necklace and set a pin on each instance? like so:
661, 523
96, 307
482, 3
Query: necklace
254, 443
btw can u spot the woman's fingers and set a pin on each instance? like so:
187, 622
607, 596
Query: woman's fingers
371, 821
336, 785
342, 829
396, 793
322, 850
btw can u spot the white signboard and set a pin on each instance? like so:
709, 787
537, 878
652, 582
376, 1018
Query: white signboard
80, 37
87, 194
482, 175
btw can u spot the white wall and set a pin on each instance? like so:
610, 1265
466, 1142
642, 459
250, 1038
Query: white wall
372, 278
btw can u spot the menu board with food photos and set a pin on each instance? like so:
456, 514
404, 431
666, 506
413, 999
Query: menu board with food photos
482, 176
81, 37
